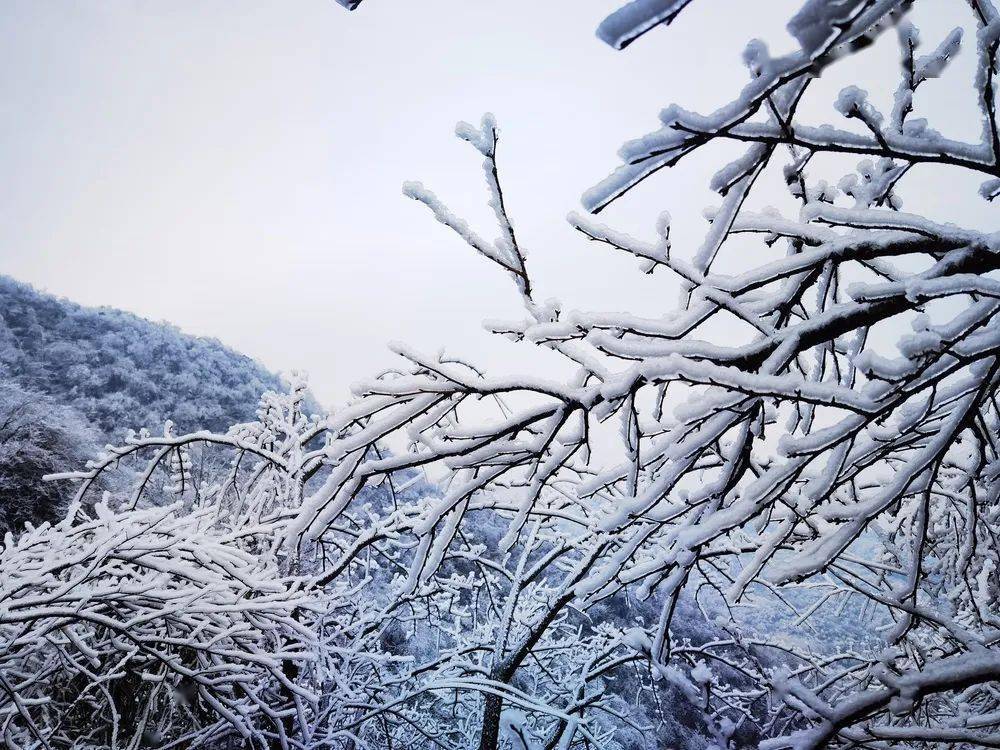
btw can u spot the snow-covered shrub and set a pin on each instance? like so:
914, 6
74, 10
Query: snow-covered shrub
147, 628
170, 615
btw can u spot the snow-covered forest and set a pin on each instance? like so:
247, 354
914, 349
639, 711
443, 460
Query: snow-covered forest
73, 378
766, 517
117, 370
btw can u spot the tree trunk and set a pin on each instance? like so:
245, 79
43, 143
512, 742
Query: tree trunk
491, 722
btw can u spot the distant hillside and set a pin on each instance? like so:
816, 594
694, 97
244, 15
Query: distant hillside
120, 371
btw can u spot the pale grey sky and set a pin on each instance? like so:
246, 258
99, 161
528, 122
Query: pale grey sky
234, 166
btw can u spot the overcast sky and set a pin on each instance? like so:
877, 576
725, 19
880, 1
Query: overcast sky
234, 166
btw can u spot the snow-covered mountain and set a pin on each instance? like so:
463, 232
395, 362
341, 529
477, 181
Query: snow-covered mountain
120, 371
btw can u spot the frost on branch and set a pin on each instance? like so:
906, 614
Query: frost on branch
634, 19
833, 455
504, 251
816, 24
